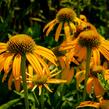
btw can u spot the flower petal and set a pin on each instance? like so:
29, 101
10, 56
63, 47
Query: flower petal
16, 66
50, 28
67, 31
48, 24
89, 104
7, 63
56, 81
34, 63
46, 86
46, 55
58, 30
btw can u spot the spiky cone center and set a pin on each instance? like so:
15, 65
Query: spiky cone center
89, 38
66, 15
20, 43
96, 70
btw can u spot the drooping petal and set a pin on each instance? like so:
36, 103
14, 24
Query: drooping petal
50, 28
96, 56
104, 52
7, 63
58, 30
89, 104
56, 81
34, 63
17, 84
10, 81
68, 74
42, 62
73, 28
46, 55
48, 24
89, 85
98, 89
67, 31
80, 76
16, 66
44, 49
2, 60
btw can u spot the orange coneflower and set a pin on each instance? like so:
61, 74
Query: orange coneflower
93, 83
44, 79
11, 53
87, 38
66, 18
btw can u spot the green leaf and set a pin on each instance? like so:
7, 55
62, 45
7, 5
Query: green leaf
10, 103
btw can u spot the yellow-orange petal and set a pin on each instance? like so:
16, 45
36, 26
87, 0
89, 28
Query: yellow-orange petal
104, 52
3, 47
48, 24
44, 65
104, 104
98, 89
96, 56
44, 49
2, 60
10, 81
89, 104
56, 81
46, 55
34, 63
89, 85
16, 66
8, 63
50, 28
80, 76
40, 89
58, 30
68, 74
67, 31
46, 86
73, 28
17, 84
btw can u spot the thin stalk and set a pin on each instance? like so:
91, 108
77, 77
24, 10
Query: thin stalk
88, 57
42, 99
23, 67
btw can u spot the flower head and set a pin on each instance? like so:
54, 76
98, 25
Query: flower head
66, 15
11, 53
66, 18
93, 83
88, 38
44, 79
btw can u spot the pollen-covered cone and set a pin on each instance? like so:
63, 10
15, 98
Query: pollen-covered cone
44, 79
11, 53
65, 18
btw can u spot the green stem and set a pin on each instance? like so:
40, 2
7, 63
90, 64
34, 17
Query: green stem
23, 67
87, 70
42, 99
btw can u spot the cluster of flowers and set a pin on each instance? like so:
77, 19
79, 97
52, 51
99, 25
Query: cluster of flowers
81, 37
82, 44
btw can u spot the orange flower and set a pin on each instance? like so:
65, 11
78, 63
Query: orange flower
93, 83
91, 38
11, 53
43, 79
64, 18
